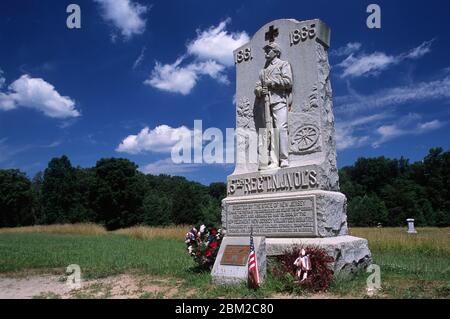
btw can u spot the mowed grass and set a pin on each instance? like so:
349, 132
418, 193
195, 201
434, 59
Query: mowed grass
412, 266
98, 256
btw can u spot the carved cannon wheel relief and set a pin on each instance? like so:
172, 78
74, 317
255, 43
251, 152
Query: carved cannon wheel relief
305, 137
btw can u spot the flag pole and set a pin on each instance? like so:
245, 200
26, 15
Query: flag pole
253, 272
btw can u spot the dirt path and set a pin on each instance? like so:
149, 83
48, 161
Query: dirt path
116, 287
27, 286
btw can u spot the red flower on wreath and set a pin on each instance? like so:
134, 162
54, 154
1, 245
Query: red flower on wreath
213, 244
202, 245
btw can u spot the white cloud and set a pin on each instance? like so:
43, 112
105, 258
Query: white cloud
2, 79
417, 92
167, 166
139, 59
217, 43
212, 51
432, 125
365, 64
420, 51
38, 94
161, 139
182, 79
374, 130
374, 63
9, 152
67, 123
388, 132
125, 15
408, 125
349, 48
172, 78
53, 145
7, 102
348, 133
213, 69
345, 139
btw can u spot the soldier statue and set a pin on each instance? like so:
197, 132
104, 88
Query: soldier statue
275, 87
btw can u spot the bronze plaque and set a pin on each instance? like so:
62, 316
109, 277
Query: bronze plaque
235, 255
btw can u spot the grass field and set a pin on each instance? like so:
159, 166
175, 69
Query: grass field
412, 266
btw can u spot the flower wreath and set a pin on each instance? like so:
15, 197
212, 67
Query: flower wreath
203, 245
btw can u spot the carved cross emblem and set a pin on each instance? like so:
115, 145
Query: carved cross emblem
271, 34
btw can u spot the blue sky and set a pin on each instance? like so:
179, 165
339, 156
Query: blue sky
138, 72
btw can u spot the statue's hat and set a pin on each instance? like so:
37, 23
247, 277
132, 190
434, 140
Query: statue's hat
273, 45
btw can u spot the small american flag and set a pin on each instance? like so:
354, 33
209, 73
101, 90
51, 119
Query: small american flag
253, 273
306, 263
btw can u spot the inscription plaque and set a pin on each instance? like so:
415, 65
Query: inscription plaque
235, 255
284, 217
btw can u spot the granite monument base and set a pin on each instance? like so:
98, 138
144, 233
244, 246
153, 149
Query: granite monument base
351, 254
313, 213
231, 265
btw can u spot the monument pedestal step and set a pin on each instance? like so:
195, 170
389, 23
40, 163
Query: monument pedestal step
350, 253
231, 264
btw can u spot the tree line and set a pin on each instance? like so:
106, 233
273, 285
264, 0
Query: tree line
388, 191
116, 194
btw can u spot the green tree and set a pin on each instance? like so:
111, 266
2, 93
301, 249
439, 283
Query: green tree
373, 173
433, 173
367, 210
83, 210
211, 212
17, 199
218, 190
406, 199
117, 195
187, 204
156, 210
36, 186
349, 187
58, 191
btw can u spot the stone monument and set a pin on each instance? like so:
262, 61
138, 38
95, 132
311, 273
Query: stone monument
285, 185
411, 229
